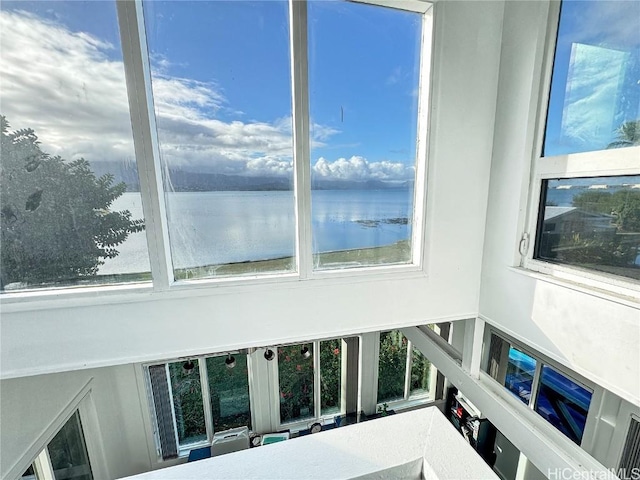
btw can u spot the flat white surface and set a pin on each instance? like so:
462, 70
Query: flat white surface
391, 447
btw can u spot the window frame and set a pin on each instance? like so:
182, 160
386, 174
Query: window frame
184, 449
541, 359
407, 399
143, 122
599, 163
318, 417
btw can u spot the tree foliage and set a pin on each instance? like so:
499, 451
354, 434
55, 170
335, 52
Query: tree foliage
56, 221
627, 135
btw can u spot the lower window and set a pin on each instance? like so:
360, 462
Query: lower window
192, 399
310, 380
404, 374
591, 223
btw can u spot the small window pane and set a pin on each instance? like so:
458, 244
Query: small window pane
222, 96
29, 474
68, 452
229, 392
420, 374
330, 376
71, 207
563, 403
363, 90
295, 374
520, 371
187, 402
392, 366
595, 96
592, 223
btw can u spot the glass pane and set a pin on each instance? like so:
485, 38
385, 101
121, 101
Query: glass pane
592, 223
229, 392
392, 366
420, 374
563, 403
29, 474
364, 108
595, 96
71, 208
222, 94
330, 376
187, 402
68, 452
295, 374
520, 371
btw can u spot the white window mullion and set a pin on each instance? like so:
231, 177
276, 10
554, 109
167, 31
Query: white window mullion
422, 148
143, 123
173, 407
42, 466
407, 373
301, 148
206, 400
316, 380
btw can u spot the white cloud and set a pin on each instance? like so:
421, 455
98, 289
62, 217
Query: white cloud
70, 90
359, 168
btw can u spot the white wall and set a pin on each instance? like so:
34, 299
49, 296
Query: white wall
58, 335
595, 336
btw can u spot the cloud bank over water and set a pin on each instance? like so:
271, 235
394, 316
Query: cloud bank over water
69, 87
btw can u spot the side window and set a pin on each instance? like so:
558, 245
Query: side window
65, 457
559, 399
590, 222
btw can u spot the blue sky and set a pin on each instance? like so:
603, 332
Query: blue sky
221, 79
596, 76
222, 88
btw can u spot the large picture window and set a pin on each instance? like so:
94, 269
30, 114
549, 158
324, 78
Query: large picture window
251, 161
587, 185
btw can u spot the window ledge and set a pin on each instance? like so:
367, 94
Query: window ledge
614, 293
34, 300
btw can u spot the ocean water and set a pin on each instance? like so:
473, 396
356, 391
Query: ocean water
208, 228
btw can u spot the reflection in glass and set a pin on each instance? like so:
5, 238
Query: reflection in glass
363, 86
595, 96
229, 393
68, 452
330, 376
187, 402
563, 403
222, 96
71, 207
295, 374
520, 371
592, 223
392, 366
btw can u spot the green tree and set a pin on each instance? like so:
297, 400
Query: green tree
56, 222
628, 135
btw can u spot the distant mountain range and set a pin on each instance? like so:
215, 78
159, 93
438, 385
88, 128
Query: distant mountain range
186, 181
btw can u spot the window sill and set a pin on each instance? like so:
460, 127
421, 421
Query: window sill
34, 300
625, 293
